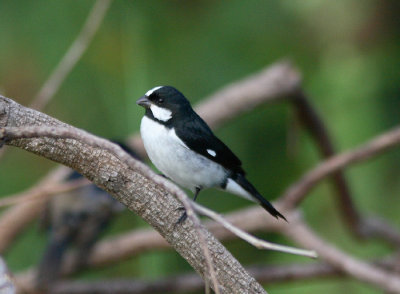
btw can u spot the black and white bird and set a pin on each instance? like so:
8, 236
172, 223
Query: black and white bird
182, 146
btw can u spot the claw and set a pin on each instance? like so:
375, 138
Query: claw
182, 218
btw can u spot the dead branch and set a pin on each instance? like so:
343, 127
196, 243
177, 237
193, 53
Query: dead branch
148, 198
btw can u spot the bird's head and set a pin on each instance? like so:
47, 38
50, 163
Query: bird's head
164, 102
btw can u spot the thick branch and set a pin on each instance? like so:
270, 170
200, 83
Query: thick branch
132, 188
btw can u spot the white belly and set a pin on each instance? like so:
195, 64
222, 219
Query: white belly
175, 160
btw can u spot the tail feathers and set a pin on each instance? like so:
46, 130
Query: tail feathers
270, 208
249, 188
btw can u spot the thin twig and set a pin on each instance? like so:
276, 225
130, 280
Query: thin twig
72, 56
256, 242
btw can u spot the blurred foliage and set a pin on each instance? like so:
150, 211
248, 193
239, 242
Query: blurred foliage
347, 50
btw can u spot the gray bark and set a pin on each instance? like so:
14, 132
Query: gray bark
138, 193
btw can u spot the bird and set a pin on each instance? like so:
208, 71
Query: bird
75, 219
183, 147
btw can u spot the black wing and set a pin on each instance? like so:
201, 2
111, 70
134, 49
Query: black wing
195, 133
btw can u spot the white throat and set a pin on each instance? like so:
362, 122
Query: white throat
160, 113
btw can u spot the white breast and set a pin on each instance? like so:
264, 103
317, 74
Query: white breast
174, 159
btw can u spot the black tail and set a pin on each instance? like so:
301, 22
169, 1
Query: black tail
245, 184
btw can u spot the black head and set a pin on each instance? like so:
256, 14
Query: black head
164, 102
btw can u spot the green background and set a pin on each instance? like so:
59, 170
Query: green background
347, 50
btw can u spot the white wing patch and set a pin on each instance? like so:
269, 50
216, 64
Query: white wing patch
149, 92
160, 113
211, 152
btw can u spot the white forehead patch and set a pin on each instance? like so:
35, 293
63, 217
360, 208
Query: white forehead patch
211, 152
160, 113
149, 92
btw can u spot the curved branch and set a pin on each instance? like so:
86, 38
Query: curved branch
131, 185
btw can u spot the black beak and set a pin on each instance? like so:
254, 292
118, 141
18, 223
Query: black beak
143, 101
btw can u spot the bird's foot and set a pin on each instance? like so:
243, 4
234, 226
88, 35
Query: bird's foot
183, 217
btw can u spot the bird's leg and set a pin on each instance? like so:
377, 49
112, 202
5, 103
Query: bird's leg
196, 193
184, 215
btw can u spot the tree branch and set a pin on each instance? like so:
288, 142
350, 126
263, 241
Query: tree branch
130, 185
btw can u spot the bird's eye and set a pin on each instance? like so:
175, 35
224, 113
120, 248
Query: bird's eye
160, 100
